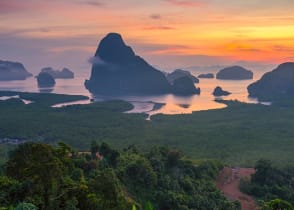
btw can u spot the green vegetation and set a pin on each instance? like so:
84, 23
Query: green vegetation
238, 135
47, 176
40, 176
270, 183
45, 99
277, 204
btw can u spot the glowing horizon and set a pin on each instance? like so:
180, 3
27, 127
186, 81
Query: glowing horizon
191, 32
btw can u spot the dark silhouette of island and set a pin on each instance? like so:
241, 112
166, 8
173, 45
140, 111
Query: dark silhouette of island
13, 71
178, 73
218, 91
234, 73
45, 80
276, 84
185, 86
65, 73
117, 70
206, 76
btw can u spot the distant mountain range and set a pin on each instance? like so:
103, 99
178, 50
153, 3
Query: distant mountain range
13, 71
234, 73
65, 73
178, 73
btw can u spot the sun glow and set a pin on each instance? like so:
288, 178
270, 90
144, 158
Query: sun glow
157, 30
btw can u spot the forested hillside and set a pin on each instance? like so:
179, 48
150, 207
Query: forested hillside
41, 176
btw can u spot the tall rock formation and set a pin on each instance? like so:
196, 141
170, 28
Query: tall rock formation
276, 84
117, 70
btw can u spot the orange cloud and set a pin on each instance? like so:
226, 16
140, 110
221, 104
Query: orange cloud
159, 28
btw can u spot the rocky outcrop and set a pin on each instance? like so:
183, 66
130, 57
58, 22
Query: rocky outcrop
234, 73
178, 73
218, 91
45, 80
206, 76
276, 84
65, 73
13, 71
117, 70
185, 86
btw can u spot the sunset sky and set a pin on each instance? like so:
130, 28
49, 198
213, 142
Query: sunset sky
167, 33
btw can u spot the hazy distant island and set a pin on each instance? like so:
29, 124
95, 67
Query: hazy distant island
117, 70
206, 76
65, 73
44, 79
178, 73
218, 91
278, 83
13, 71
234, 73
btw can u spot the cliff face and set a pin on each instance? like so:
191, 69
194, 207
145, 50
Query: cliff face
117, 70
278, 83
13, 71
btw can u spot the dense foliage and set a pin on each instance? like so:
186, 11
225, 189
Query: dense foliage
270, 183
277, 204
40, 176
238, 135
45, 99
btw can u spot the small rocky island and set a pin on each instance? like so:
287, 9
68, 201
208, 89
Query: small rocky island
185, 86
13, 71
45, 80
234, 73
65, 73
218, 91
206, 76
178, 73
277, 84
117, 70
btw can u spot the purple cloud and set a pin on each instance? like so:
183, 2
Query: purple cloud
155, 16
186, 3
95, 3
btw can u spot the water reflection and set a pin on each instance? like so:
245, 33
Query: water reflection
4, 98
46, 89
166, 104
185, 106
171, 104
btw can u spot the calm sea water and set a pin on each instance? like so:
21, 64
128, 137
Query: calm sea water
166, 104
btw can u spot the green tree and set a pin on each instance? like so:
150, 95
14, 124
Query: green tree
94, 149
277, 204
263, 171
110, 155
37, 165
26, 206
108, 190
12, 191
136, 173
